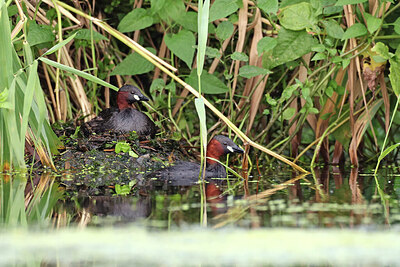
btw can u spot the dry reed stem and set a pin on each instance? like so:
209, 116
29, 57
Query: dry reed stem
259, 82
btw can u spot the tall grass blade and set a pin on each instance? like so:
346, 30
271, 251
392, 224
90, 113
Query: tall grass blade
78, 72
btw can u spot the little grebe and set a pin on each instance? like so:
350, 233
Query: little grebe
124, 118
187, 173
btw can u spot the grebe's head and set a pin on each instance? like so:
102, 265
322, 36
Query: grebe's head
129, 94
219, 146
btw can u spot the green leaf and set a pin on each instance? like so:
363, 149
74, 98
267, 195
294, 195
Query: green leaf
84, 34
383, 52
288, 113
212, 52
373, 23
39, 34
222, 8
188, 20
318, 56
298, 17
133, 154
387, 151
266, 44
268, 6
333, 29
59, 45
172, 10
182, 45
122, 147
270, 100
240, 56
135, 20
349, 2
397, 26
156, 5
210, 83
291, 45
78, 72
356, 30
224, 30
329, 7
157, 85
134, 64
394, 75
250, 71
313, 111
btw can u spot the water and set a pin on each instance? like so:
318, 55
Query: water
330, 217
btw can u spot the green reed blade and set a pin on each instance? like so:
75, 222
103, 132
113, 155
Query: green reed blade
202, 35
78, 72
59, 45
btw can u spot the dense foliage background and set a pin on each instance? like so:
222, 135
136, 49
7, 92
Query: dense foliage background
312, 76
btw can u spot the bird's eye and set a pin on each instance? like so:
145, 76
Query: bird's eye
132, 92
225, 143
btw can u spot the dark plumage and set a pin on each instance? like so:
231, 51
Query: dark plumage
187, 173
124, 118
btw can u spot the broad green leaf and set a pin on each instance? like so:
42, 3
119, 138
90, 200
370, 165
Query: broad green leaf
85, 34
137, 19
333, 29
134, 64
397, 25
268, 6
288, 113
182, 45
387, 151
59, 45
298, 17
373, 23
156, 5
329, 8
224, 30
266, 44
349, 2
240, 56
188, 20
222, 8
318, 56
382, 52
290, 46
210, 83
39, 34
318, 48
212, 52
172, 10
78, 72
394, 75
356, 30
250, 71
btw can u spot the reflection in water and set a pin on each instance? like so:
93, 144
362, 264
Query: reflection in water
327, 199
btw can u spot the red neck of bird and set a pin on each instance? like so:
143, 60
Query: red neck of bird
214, 150
122, 100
